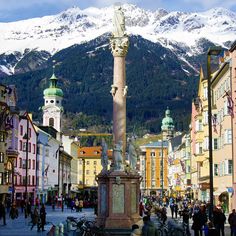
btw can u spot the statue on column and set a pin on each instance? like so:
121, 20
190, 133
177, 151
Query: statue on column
118, 157
132, 154
118, 22
104, 158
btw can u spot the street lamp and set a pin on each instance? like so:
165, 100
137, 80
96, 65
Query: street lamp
212, 51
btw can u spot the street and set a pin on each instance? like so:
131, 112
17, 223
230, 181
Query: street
21, 226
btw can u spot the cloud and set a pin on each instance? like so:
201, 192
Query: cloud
212, 3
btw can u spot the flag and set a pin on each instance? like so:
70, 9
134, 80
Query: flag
214, 122
230, 104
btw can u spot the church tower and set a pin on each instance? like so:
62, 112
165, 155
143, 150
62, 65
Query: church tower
167, 127
52, 109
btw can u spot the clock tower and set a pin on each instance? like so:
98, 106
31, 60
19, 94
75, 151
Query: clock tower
52, 109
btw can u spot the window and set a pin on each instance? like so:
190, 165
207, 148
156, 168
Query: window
1, 157
24, 180
21, 130
33, 180
51, 122
1, 178
15, 162
29, 132
20, 162
33, 164
51, 101
34, 148
228, 136
29, 164
87, 181
87, 172
29, 149
15, 179
2, 137
225, 108
20, 182
87, 162
216, 169
24, 164
230, 167
205, 117
95, 162
205, 93
21, 145
215, 143
198, 148
153, 154
199, 125
206, 143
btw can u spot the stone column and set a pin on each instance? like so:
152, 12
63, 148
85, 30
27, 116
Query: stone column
119, 47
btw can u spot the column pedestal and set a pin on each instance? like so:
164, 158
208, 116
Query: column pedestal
118, 199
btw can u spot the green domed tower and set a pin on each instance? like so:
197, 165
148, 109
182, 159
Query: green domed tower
167, 126
52, 109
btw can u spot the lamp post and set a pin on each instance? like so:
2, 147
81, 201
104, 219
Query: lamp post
212, 51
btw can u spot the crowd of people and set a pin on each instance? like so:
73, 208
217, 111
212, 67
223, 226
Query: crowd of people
183, 210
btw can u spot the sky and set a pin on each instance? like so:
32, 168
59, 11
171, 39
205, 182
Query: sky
14, 10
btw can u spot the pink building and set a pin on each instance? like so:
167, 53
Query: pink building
233, 95
26, 174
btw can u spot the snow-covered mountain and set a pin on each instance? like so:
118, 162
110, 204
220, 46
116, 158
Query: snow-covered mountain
75, 26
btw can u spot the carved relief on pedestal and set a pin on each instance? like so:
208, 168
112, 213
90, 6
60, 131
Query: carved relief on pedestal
119, 46
103, 202
118, 198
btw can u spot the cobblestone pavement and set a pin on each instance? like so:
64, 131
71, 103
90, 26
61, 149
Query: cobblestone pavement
21, 226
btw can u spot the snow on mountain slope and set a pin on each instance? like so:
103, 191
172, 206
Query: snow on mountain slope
74, 26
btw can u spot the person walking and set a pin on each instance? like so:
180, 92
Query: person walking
3, 213
81, 204
13, 212
186, 214
232, 222
43, 217
176, 208
172, 210
197, 222
35, 220
148, 227
219, 221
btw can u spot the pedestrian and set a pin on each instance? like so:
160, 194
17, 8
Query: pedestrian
211, 230
96, 207
149, 228
163, 215
176, 208
35, 219
43, 217
136, 231
3, 213
81, 204
172, 209
185, 214
197, 222
13, 212
141, 208
219, 221
77, 205
232, 222
22, 205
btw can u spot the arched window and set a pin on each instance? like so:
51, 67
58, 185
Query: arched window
51, 122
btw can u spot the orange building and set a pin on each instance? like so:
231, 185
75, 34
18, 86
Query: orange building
151, 167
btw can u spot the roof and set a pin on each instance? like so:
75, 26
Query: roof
233, 46
176, 141
53, 90
93, 152
157, 144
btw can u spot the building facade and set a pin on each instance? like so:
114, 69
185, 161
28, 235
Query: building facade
154, 165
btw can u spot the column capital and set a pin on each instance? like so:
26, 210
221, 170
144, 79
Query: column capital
119, 46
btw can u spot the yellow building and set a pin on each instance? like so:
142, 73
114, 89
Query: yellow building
90, 165
222, 134
199, 137
151, 167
